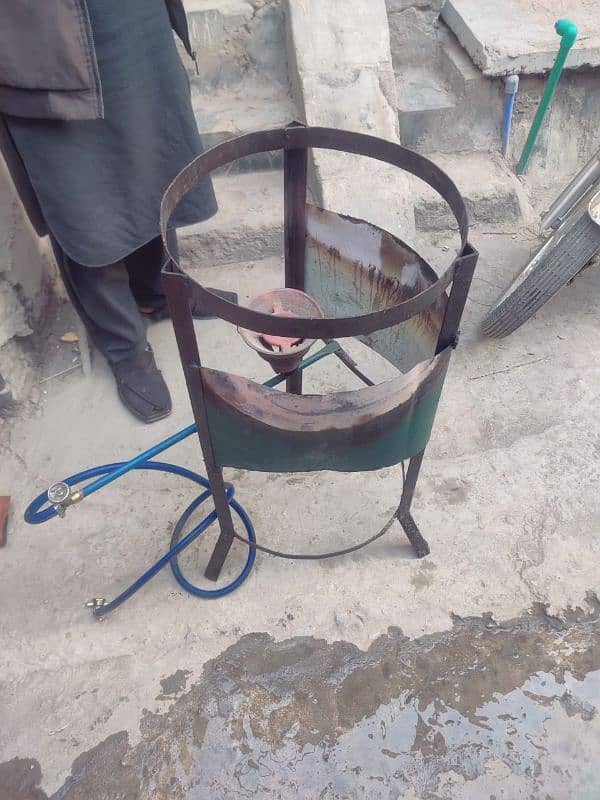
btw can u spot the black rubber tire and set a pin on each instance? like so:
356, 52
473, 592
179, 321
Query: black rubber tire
528, 293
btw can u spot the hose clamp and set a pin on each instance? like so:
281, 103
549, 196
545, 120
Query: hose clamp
96, 602
61, 497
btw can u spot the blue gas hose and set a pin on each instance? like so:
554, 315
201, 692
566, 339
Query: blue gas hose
108, 473
35, 515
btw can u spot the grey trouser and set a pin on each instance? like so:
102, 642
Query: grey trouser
107, 298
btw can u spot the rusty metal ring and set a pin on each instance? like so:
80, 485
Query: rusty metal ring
300, 137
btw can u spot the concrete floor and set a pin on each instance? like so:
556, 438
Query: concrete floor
464, 675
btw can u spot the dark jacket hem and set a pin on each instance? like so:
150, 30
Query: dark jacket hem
47, 104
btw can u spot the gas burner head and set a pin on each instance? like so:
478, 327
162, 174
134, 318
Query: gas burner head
284, 353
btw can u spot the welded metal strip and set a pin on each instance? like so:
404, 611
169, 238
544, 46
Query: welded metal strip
327, 328
326, 138
177, 292
295, 162
464, 268
297, 138
261, 429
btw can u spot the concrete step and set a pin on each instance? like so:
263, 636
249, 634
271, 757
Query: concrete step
493, 194
426, 103
247, 227
458, 68
445, 104
421, 90
249, 106
528, 45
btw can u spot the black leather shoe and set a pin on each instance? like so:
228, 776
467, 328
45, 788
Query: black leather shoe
141, 387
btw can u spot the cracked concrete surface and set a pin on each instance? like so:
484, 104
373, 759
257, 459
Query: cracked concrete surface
508, 500
529, 548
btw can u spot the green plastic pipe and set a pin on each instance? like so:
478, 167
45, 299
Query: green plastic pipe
567, 30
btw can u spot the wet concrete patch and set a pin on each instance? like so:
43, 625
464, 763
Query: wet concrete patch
19, 779
174, 683
423, 718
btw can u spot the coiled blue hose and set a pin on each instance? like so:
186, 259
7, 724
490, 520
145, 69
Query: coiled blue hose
36, 514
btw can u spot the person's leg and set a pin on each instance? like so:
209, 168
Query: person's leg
144, 268
102, 297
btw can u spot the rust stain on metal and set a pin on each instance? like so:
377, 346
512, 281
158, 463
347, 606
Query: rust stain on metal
322, 414
259, 428
352, 267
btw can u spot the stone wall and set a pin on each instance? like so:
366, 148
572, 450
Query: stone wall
235, 39
27, 275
